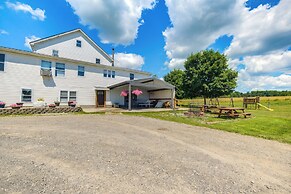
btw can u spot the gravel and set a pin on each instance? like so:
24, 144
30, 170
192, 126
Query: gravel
126, 154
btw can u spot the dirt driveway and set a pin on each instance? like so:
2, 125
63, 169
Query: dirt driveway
124, 154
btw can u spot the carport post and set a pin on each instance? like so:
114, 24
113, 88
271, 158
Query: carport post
129, 96
172, 98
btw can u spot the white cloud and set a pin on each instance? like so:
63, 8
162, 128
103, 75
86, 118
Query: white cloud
262, 30
117, 22
249, 82
3, 32
280, 61
261, 72
37, 14
197, 24
29, 39
129, 60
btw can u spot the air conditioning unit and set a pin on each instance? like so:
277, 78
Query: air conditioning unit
46, 72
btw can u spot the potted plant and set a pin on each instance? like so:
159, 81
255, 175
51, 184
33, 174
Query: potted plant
57, 103
52, 105
19, 104
16, 106
72, 103
2, 104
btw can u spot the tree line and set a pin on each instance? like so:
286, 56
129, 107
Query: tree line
260, 93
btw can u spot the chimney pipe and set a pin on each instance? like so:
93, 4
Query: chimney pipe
112, 57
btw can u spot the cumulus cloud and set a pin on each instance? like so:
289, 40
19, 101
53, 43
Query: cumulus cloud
247, 82
261, 72
3, 32
197, 24
129, 60
117, 22
29, 39
37, 14
262, 30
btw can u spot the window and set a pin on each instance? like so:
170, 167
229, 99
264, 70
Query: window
97, 61
81, 70
60, 69
46, 65
55, 53
73, 96
131, 76
104, 73
2, 60
108, 73
26, 95
78, 43
66, 96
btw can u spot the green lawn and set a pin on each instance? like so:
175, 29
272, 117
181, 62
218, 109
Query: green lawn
275, 125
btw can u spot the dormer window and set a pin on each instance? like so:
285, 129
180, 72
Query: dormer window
55, 53
78, 43
97, 61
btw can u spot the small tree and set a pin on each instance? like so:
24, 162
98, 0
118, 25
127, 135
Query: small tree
175, 78
207, 74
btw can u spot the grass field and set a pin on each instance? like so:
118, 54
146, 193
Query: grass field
274, 125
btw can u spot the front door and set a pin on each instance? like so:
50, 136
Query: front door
100, 98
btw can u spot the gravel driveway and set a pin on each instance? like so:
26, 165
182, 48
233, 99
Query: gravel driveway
125, 154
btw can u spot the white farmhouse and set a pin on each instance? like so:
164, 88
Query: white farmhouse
70, 66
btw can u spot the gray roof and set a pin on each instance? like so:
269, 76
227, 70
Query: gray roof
150, 83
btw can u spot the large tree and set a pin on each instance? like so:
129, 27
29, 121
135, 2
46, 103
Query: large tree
207, 74
175, 78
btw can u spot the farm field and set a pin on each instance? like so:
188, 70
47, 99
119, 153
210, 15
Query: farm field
273, 125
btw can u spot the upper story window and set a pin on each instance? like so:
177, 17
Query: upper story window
2, 60
55, 53
105, 73
26, 95
131, 76
60, 69
81, 70
108, 73
97, 61
78, 43
46, 65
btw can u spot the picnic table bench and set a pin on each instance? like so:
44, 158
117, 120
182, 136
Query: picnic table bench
233, 112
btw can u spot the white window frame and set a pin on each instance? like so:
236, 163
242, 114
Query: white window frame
69, 96
55, 53
3, 62
21, 97
60, 70
80, 71
79, 43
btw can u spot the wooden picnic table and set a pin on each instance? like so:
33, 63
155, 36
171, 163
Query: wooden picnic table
231, 111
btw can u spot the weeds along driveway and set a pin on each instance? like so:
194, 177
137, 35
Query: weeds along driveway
126, 154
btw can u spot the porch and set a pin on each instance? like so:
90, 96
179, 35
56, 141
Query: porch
154, 94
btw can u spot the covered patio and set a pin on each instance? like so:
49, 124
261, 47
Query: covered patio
152, 89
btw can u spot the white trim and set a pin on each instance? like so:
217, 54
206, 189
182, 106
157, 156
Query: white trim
66, 60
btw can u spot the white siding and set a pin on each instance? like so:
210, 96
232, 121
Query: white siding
23, 71
66, 45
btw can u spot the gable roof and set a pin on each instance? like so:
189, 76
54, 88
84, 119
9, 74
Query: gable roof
32, 43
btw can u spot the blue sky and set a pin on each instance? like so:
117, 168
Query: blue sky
157, 36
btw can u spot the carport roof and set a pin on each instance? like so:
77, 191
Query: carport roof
150, 83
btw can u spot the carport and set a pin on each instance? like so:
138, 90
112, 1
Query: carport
156, 89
